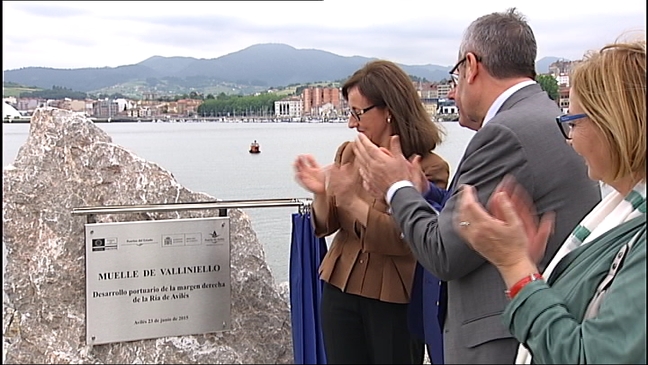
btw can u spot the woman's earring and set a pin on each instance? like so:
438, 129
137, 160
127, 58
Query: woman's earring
388, 119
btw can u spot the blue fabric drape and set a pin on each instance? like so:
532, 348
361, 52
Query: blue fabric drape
306, 254
427, 307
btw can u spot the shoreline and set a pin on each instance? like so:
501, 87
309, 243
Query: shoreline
194, 120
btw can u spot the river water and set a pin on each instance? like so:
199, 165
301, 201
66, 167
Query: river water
213, 158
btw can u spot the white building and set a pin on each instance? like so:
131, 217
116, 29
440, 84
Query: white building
9, 112
10, 100
442, 91
447, 106
562, 79
124, 104
290, 107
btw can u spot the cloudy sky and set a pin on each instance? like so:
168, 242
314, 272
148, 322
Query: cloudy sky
102, 33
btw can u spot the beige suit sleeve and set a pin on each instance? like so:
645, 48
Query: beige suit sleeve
324, 212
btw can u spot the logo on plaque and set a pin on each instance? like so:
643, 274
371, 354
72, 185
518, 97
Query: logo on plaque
104, 244
98, 244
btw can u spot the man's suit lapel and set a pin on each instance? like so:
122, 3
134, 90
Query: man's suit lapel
453, 184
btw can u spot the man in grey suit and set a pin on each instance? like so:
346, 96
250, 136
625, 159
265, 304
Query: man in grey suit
517, 135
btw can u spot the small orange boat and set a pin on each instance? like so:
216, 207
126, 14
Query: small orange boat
254, 147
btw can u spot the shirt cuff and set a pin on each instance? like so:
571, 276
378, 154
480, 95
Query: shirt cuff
395, 186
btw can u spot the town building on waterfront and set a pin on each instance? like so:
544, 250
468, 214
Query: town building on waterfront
316, 97
290, 107
561, 70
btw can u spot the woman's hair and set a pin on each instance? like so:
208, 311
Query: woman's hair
611, 87
387, 86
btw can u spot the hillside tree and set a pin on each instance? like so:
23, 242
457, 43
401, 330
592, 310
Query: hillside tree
549, 84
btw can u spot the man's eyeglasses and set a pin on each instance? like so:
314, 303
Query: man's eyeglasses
565, 123
357, 114
454, 73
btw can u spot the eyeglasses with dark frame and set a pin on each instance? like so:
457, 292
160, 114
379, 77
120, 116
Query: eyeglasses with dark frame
454, 75
357, 114
565, 123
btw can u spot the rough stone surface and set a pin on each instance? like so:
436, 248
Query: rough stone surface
69, 162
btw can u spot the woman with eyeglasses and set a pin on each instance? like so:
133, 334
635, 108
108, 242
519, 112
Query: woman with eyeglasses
589, 304
369, 269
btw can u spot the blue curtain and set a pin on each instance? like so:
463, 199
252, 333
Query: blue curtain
306, 254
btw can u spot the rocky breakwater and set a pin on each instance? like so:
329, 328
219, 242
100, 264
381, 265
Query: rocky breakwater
68, 162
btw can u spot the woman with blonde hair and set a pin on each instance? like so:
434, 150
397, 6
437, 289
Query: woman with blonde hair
589, 305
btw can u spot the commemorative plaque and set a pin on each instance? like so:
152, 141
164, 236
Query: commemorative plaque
152, 279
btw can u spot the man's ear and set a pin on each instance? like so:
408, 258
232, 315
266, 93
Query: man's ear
472, 67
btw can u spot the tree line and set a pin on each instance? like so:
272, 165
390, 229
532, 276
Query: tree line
55, 93
239, 105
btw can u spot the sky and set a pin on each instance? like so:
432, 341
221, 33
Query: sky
79, 34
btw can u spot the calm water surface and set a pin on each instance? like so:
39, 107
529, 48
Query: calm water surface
213, 158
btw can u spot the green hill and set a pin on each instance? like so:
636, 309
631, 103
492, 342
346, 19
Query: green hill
14, 89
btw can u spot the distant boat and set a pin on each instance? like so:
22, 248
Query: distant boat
254, 147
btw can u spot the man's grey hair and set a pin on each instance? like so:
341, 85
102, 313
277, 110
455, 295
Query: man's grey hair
504, 43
